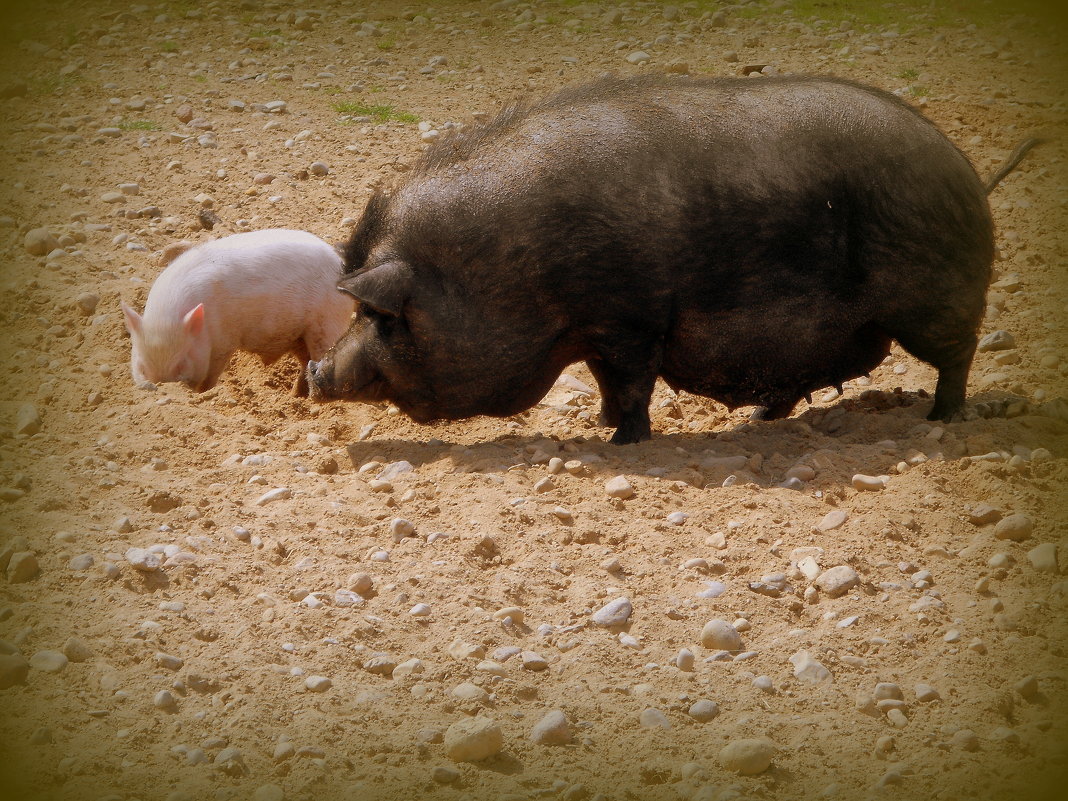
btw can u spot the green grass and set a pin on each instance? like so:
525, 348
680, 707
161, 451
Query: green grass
919, 91
908, 75
385, 44
379, 113
169, 46
263, 33
139, 125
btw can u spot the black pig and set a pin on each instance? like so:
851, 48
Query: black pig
749, 240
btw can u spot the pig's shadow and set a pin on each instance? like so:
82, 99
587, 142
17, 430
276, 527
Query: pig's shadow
853, 429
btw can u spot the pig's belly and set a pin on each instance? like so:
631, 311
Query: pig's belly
770, 356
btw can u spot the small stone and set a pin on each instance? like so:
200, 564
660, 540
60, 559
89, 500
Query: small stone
833, 519
318, 684
652, 718
614, 613
997, 340
400, 529
444, 774
533, 661
22, 567
552, 729
637, 57
27, 420
703, 710
619, 487
473, 739
277, 494
888, 690
747, 757
926, 693
184, 113
1027, 687
1044, 557
809, 670
76, 649
381, 664
837, 580
513, 612
319, 168
1016, 527
685, 660
163, 700
869, 483
144, 560
168, 661
897, 718
39, 241
466, 691
284, 750
720, 635
13, 670
48, 661
408, 667
230, 762
983, 513
360, 583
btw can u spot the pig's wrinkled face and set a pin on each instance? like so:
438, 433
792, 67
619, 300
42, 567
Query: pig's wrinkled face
381, 357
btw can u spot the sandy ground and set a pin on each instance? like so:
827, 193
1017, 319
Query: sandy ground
200, 679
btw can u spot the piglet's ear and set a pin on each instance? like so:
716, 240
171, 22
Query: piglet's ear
133, 319
193, 323
385, 288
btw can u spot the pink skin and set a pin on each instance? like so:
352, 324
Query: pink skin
267, 292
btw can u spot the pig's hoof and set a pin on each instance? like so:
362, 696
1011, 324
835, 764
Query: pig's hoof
631, 432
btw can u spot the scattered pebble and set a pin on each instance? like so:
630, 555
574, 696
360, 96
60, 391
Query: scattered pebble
48, 661
703, 710
652, 718
747, 757
614, 613
473, 739
837, 580
809, 670
619, 487
318, 684
1016, 527
721, 636
552, 729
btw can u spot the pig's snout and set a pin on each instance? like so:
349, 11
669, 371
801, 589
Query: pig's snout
315, 379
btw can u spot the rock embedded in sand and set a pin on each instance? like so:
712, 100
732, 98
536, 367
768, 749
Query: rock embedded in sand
833, 519
318, 684
552, 729
720, 635
868, 483
837, 580
652, 718
27, 420
143, 559
48, 661
22, 567
1043, 557
747, 757
996, 340
473, 739
619, 487
703, 710
1015, 527
39, 241
614, 613
809, 670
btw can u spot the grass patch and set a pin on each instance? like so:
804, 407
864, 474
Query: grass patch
264, 33
908, 75
919, 91
139, 125
385, 44
378, 113
169, 46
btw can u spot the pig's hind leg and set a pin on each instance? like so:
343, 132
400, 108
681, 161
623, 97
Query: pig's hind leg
300, 384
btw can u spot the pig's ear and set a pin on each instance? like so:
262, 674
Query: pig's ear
193, 323
133, 319
384, 288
